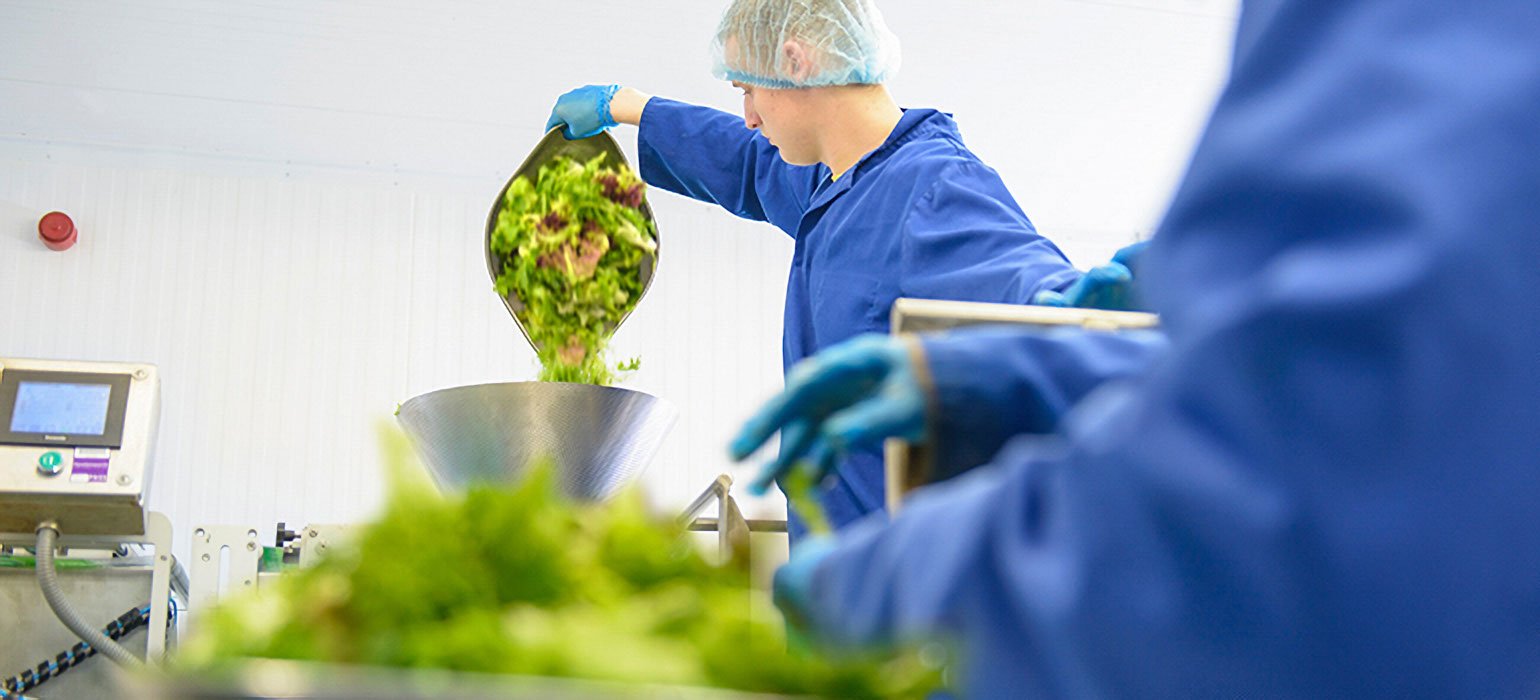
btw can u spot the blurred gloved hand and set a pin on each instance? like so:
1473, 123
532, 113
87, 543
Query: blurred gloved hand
584, 112
792, 588
1109, 286
853, 394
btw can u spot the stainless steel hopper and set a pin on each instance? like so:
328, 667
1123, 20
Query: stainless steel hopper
599, 438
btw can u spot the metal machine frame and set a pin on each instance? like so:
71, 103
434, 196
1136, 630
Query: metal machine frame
732, 528
79, 463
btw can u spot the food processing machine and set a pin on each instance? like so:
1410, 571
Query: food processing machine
76, 450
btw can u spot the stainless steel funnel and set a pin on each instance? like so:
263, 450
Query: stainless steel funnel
554, 146
600, 438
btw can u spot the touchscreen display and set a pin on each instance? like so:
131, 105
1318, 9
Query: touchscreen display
61, 409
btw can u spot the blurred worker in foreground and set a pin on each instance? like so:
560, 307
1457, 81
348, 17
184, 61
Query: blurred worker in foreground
1327, 484
882, 202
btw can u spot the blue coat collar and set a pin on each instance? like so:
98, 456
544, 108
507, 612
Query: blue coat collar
915, 124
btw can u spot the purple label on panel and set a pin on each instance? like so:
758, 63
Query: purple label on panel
94, 469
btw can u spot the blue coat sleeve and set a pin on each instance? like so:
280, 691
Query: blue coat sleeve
966, 238
709, 155
1325, 486
1037, 377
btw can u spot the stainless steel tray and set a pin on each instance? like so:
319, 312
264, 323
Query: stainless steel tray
264, 679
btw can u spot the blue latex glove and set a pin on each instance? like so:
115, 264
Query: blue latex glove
857, 393
584, 111
1109, 286
792, 588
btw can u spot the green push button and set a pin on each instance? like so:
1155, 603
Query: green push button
50, 464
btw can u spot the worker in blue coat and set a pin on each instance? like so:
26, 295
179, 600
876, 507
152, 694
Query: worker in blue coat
881, 202
1325, 484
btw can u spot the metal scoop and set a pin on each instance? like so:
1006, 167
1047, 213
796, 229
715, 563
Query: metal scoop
553, 146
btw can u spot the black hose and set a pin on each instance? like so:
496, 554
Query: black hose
11, 688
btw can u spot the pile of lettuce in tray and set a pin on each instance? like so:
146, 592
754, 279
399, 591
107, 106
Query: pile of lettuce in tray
572, 244
524, 581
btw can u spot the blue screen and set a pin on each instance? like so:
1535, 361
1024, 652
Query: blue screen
61, 409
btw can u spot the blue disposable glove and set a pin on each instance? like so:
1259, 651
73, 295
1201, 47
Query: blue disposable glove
857, 393
584, 112
792, 588
1109, 286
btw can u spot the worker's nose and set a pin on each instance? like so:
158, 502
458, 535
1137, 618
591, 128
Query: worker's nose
751, 117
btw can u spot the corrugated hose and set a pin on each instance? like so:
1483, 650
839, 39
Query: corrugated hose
48, 580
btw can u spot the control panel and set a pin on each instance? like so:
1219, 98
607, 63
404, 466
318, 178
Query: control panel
76, 442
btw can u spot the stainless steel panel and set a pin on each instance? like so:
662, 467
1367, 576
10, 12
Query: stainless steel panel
100, 594
933, 315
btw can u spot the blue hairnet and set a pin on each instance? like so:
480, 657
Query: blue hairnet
846, 43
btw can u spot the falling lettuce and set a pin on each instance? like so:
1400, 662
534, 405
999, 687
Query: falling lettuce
572, 243
525, 581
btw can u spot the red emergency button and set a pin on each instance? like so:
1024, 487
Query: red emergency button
57, 230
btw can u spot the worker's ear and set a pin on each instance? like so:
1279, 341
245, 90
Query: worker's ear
796, 61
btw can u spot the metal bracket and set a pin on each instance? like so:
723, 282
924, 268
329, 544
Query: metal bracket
211, 543
316, 540
241, 547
